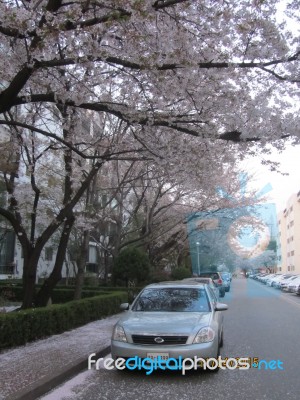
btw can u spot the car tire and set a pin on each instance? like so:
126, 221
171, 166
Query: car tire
216, 370
222, 293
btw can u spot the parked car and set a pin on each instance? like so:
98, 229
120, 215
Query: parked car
217, 278
274, 279
267, 278
293, 286
260, 276
226, 280
170, 320
286, 281
277, 283
205, 281
297, 288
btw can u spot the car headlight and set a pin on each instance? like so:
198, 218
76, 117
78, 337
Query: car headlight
205, 335
119, 334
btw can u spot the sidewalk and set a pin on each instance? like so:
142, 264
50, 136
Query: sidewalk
28, 372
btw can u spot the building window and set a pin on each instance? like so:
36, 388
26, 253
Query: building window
48, 253
92, 255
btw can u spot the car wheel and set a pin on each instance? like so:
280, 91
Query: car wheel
216, 370
222, 293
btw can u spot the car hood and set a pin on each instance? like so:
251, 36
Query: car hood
138, 322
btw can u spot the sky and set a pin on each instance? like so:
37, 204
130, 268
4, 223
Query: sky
283, 186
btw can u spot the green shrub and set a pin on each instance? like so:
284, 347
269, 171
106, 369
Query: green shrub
159, 276
11, 292
131, 264
180, 273
18, 328
60, 296
7, 282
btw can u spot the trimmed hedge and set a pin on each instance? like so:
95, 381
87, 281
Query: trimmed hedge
19, 328
62, 294
6, 282
59, 296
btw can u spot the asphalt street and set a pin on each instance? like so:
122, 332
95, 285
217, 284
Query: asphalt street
260, 323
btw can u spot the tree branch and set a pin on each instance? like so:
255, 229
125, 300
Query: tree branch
161, 4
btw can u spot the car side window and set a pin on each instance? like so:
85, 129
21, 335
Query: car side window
212, 295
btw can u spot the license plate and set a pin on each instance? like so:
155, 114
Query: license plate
163, 356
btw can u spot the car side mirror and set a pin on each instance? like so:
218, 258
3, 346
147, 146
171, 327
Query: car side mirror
221, 307
124, 306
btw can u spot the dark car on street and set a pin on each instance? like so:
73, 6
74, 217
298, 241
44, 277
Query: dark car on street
217, 279
226, 280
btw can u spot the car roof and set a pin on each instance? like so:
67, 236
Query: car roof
176, 284
200, 279
209, 272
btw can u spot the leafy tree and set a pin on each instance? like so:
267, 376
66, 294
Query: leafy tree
181, 273
132, 264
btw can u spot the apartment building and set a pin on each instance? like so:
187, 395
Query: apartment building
289, 236
99, 257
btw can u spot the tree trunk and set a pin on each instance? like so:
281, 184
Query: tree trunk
105, 267
83, 255
29, 278
31, 258
46, 290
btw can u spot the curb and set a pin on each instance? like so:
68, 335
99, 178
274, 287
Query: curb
45, 385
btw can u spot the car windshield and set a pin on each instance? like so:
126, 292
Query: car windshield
173, 300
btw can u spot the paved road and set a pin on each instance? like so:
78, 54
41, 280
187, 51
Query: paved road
261, 322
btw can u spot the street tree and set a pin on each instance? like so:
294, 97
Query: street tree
152, 200
200, 73
206, 69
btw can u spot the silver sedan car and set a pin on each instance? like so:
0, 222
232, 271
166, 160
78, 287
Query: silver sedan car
170, 320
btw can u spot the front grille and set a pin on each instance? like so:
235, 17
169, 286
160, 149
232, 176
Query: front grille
167, 340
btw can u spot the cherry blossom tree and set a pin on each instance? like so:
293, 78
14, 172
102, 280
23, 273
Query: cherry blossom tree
209, 69
152, 200
200, 73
